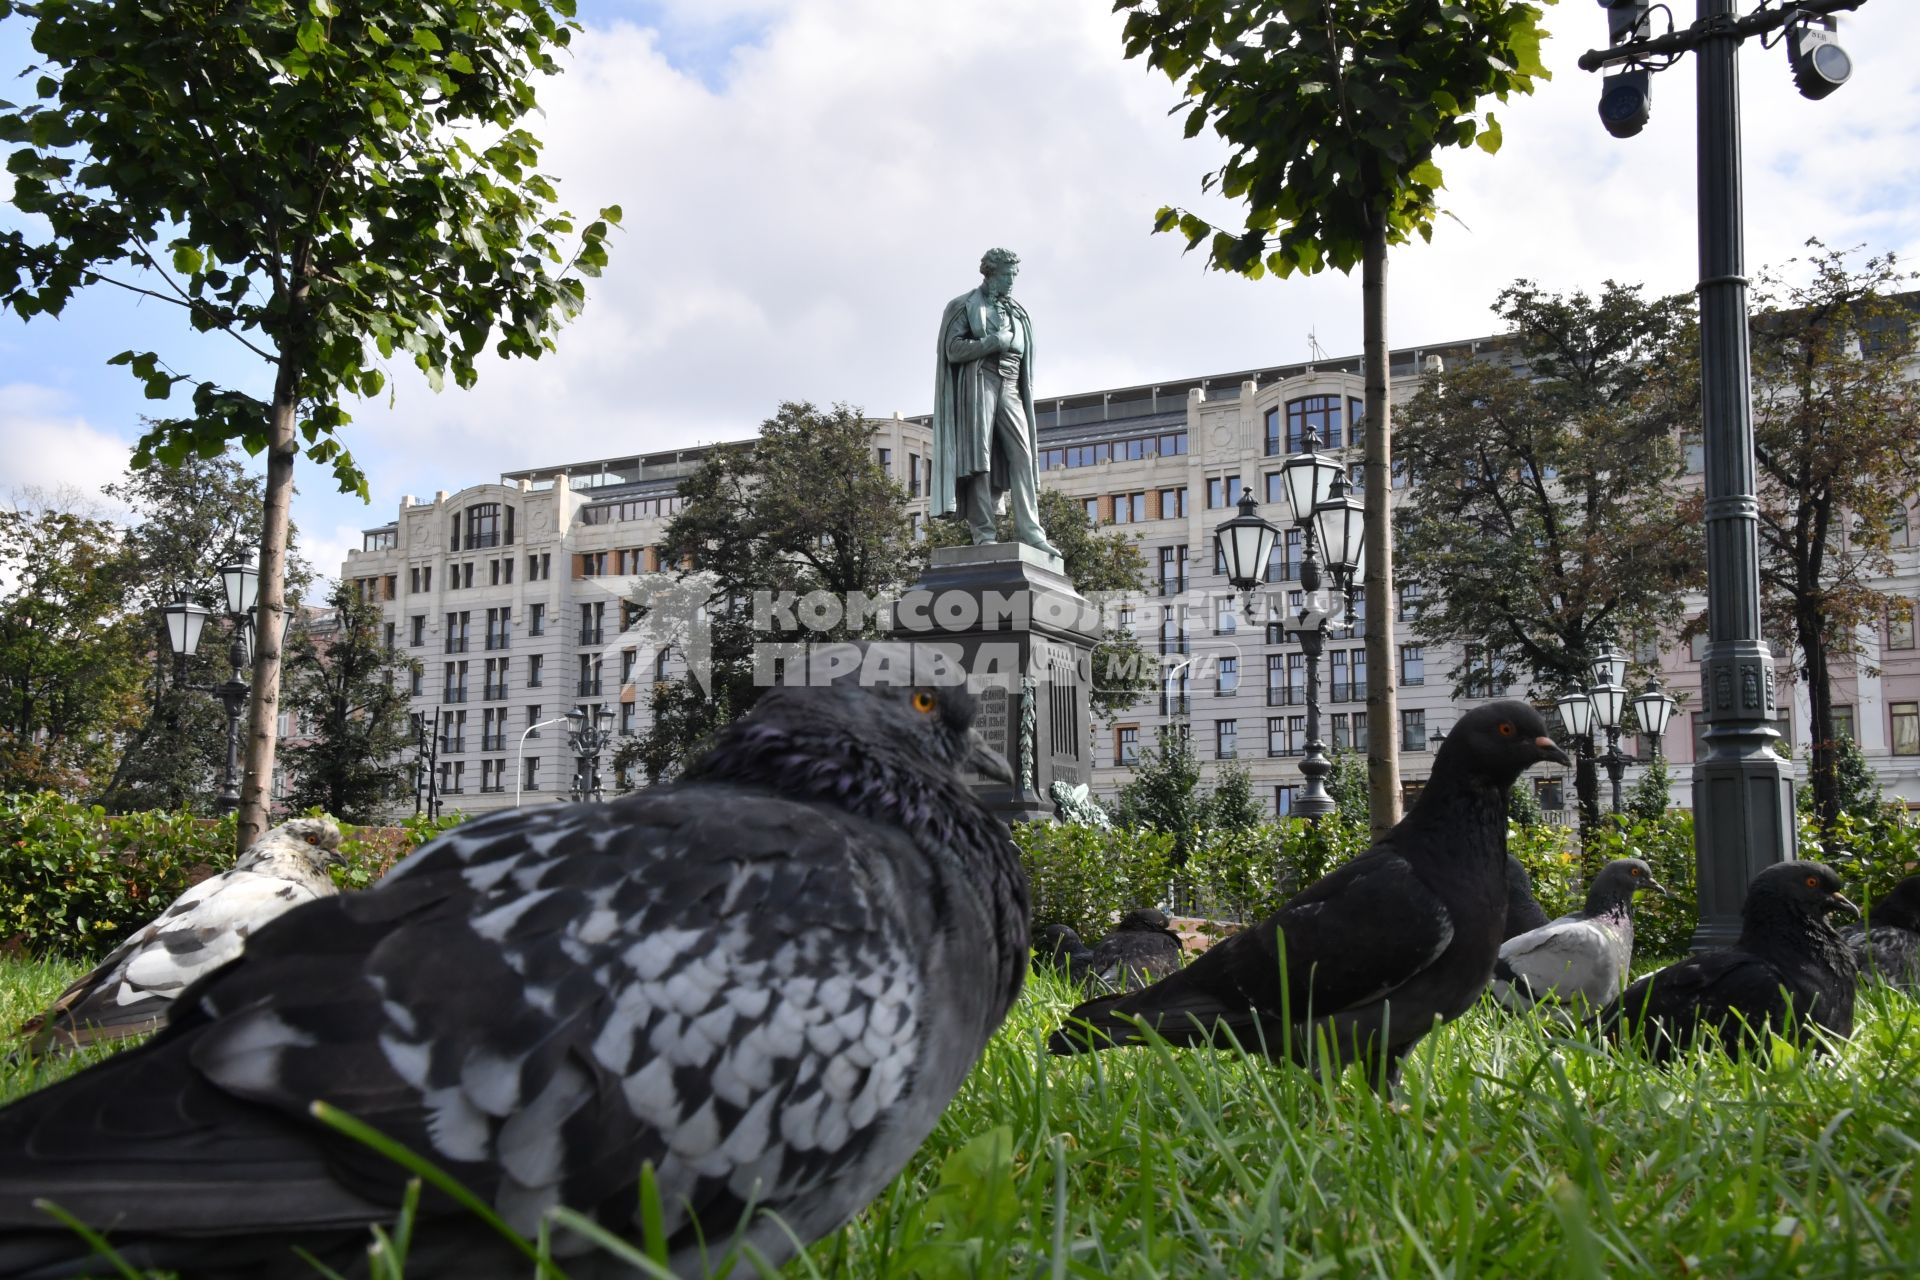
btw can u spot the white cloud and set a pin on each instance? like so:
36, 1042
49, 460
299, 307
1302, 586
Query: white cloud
45, 444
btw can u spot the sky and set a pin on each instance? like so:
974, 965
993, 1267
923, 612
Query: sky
807, 182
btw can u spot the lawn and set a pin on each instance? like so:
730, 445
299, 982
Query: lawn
1508, 1152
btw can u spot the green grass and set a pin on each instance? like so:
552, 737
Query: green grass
1508, 1152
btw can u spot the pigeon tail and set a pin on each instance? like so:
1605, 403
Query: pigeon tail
1181, 1014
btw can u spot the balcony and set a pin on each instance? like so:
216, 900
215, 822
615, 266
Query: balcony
500, 641
493, 742
1228, 752
1348, 691
456, 644
1286, 697
492, 788
453, 744
592, 635
453, 695
1173, 586
454, 790
478, 541
589, 688
494, 693
1172, 705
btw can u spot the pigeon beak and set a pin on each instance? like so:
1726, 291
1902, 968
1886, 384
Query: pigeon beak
1840, 902
1659, 888
985, 760
1550, 750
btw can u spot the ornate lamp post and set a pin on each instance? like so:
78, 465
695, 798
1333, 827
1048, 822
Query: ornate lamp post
1609, 697
1245, 543
239, 588
1601, 706
588, 741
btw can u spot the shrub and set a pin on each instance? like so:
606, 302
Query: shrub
1084, 877
1872, 851
1246, 874
1662, 926
1551, 856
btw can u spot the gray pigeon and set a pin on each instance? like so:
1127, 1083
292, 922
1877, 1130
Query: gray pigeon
767, 980
1788, 971
1376, 953
1888, 948
1142, 948
1058, 949
1581, 960
1524, 912
129, 992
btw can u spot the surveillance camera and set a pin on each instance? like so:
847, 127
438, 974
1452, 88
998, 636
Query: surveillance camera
1819, 64
1626, 102
1625, 18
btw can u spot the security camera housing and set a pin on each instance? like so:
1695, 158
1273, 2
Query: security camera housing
1626, 102
1819, 64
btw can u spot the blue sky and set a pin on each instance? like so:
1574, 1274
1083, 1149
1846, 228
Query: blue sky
807, 183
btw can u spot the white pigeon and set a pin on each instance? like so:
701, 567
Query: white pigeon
130, 992
1582, 957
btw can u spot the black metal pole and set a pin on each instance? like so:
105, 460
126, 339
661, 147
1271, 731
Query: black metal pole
1742, 789
1315, 801
233, 693
1616, 766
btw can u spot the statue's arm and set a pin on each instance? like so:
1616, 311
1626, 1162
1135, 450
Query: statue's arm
962, 346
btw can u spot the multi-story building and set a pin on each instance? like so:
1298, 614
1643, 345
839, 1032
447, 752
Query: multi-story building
516, 595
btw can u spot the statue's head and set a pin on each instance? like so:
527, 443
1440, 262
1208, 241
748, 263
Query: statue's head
998, 267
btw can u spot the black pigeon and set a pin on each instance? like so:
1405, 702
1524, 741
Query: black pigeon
1376, 952
767, 979
1524, 912
1888, 948
1580, 959
1058, 949
1142, 949
1789, 968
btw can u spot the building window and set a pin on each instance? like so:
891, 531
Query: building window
1486, 674
416, 686
1173, 570
1843, 724
1223, 491
533, 719
536, 619
1092, 507
420, 579
456, 640
1226, 735
1226, 617
1906, 728
1228, 678
1129, 508
1342, 733
885, 457
1413, 729
1413, 664
530, 773
1173, 503
1900, 624
1412, 595
536, 670
1313, 413
913, 475
1126, 744
1278, 743
1173, 443
540, 567
1285, 797
1273, 435
1276, 487
417, 630
627, 711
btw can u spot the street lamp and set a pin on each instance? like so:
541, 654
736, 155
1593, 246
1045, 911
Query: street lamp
1742, 788
1245, 543
519, 759
239, 586
1601, 706
587, 741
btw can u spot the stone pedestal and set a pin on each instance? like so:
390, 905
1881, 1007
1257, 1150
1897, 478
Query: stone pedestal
1025, 638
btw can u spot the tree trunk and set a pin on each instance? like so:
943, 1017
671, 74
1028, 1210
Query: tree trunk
263, 708
1811, 635
1586, 796
1383, 717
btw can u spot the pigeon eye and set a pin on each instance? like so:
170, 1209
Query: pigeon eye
1634, 870
923, 702
313, 839
1813, 882
1506, 728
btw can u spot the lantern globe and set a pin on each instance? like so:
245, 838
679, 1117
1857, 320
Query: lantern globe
1576, 712
1246, 543
240, 585
1654, 709
184, 622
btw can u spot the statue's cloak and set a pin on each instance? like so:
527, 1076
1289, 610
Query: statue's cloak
965, 388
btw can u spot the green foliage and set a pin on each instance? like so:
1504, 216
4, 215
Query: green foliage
1347, 784
70, 661
1164, 792
1523, 807
1232, 806
1551, 855
304, 179
1873, 852
1662, 926
1245, 874
1332, 113
349, 693
1084, 877
1652, 795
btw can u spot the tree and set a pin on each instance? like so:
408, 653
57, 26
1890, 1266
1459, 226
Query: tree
349, 690
1552, 516
1334, 112
1232, 805
188, 519
1106, 567
70, 659
1347, 784
805, 508
295, 177
1164, 793
1836, 426
1652, 795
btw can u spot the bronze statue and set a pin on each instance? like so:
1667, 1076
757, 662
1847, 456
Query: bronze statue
985, 443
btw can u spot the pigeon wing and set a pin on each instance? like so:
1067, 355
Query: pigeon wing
1569, 957
1721, 989
712, 983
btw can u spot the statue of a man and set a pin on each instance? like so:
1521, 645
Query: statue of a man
984, 440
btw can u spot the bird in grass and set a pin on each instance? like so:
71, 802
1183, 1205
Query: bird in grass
1373, 955
766, 980
1888, 947
1058, 949
130, 992
1524, 912
1582, 959
1789, 970
1142, 949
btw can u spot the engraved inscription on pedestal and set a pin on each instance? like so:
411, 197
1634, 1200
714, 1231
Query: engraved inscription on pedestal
992, 719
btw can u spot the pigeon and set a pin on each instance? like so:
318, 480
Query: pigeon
766, 980
1523, 909
1888, 947
1371, 956
1789, 968
1058, 949
1580, 959
1141, 949
129, 992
